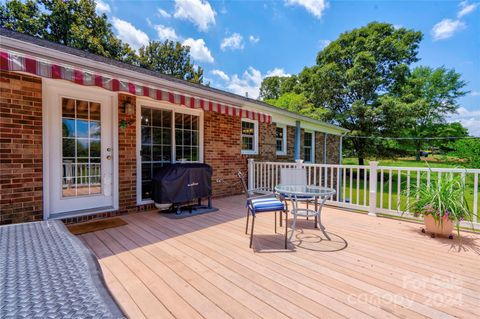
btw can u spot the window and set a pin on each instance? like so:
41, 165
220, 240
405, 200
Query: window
308, 147
249, 137
186, 137
156, 131
281, 140
166, 137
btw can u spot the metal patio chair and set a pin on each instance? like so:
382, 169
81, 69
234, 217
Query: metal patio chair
296, 176
266, 202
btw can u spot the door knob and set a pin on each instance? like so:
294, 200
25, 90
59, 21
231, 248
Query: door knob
109, 157
109, 149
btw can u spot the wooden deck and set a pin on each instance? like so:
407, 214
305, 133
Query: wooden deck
201, 267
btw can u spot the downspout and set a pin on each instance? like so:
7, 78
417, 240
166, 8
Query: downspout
296, 145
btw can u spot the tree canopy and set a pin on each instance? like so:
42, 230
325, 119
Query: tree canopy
272, 87
419, 107
75, 23
170, 58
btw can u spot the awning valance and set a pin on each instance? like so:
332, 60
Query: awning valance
12, 61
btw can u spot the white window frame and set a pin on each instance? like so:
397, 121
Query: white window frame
255, 137
312, 149
284, 140
174, 109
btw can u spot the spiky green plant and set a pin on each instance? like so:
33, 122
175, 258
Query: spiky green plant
444, 199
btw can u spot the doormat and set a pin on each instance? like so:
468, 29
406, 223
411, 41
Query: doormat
185, 212
83, 228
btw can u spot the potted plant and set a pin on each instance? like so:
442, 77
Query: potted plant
442, 205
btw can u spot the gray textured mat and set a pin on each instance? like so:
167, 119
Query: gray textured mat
45, 272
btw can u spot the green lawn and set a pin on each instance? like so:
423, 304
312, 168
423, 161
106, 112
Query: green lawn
400, 200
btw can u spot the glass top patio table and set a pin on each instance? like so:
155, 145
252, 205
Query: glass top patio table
305, 190
298, 192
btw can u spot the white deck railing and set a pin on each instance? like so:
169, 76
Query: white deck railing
375, 189
81, 174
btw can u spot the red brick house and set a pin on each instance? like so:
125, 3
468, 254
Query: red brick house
80, 134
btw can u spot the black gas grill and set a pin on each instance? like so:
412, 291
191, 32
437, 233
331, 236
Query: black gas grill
179, 184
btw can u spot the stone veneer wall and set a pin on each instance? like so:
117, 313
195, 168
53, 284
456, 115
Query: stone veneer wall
21, 160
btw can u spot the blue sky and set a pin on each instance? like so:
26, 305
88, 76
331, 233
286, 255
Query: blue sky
240, 42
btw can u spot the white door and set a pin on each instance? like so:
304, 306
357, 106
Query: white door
80, 150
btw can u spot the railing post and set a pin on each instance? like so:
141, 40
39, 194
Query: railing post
373, 189
299, 163
251, 173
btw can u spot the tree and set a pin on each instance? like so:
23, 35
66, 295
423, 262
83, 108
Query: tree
170, 58
273, 87
297, 103
423, 102
354, 71
69, 22
469, 150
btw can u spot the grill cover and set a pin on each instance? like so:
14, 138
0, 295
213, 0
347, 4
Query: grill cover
180, 183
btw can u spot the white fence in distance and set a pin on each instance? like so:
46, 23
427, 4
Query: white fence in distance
372, 188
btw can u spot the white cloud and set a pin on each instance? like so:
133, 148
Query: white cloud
102, 7
323, 43
199, 12
128, 33
253, 39
199, 50
233, 42
446, 28
166, 33
466, 8
315, 7
163, 14
277, 72
249, 82
469, 119
475, 93
221, 74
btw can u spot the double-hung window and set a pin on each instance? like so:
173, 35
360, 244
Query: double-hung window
249, 135
281, 139
167, 135
309, 147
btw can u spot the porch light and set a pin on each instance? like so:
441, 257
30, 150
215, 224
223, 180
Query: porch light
128, 108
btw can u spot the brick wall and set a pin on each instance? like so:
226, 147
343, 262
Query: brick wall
319, 147
333, 149
20, 148
127, 160
222, 151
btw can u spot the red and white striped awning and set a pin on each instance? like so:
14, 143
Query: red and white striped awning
12, 61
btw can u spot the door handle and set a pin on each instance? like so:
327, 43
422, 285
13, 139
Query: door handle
109, 149
109, 157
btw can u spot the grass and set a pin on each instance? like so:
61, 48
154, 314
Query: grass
399, 199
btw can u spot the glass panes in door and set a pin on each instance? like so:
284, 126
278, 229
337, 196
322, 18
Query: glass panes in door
81, 148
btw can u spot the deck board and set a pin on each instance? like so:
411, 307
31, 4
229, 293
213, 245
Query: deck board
201, 267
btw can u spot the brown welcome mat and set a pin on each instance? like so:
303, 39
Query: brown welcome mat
83, 228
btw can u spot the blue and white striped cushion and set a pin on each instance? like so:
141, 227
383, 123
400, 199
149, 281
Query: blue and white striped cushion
266, 204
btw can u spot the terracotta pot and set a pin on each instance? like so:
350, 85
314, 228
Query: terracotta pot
444, 228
